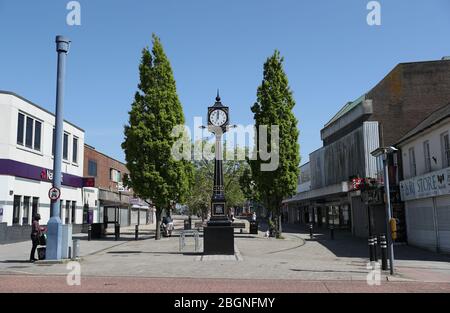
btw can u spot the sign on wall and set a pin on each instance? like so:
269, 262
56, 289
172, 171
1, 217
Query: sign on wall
429, 185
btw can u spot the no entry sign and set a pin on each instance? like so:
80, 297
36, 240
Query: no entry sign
54, 194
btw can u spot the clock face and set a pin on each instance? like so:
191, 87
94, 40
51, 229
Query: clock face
218, 117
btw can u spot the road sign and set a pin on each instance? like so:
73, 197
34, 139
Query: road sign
54, 194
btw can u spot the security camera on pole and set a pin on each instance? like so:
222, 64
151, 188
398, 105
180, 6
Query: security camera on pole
54, 232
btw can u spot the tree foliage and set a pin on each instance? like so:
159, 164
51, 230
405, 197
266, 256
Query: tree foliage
156, 110
274, 107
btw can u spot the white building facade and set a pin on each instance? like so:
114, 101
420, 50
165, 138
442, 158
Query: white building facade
426, 185
26, 162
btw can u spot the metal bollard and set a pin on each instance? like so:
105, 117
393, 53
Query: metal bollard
311, 231
76, 249
375, 247
136, 232
89, 232
371, 245
384, 254
117, 232
332, 232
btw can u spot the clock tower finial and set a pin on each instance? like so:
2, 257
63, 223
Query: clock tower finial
218, 95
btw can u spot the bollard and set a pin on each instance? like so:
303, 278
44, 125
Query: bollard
136, 233
383, 245
76, 249
89, 232
375, 246
332, 232
371, 244
117, 232
311, 231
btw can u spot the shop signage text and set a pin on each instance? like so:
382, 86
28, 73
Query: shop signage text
425, 186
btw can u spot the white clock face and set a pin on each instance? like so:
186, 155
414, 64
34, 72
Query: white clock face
218, 117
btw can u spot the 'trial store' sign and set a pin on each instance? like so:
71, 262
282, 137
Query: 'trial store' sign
429, 185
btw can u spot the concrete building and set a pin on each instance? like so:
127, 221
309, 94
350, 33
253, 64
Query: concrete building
425, 189
341, 170
26, 162
116, 202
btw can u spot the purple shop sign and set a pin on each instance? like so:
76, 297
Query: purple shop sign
24, 170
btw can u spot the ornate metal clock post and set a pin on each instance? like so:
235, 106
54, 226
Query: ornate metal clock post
219, 234
218, 122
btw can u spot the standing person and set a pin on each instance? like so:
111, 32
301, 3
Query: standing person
35, 235
254, 217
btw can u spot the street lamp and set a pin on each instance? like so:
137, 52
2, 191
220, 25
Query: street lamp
384, 152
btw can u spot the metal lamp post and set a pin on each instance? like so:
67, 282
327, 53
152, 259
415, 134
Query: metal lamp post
384, 152
54, 251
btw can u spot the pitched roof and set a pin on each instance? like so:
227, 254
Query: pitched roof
346, 108
432, 119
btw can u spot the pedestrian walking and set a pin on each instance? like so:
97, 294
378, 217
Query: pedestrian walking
35, 236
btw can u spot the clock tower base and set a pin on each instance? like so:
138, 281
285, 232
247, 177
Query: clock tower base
218, 240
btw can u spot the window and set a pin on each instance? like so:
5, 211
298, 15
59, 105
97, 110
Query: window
92, 168
35, 207
445, 146
66, 147
26, 211
37, 135
412, 163
74, 210
16, 209
75, 150
20, 129
68, 215
115, 176
29, 134
427, 158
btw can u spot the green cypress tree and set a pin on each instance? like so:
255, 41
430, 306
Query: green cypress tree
154, 174
274, 107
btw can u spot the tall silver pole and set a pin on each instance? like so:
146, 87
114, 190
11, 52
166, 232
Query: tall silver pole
388, 213
53, 251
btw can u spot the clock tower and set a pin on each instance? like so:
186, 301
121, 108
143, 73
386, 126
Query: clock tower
218, 123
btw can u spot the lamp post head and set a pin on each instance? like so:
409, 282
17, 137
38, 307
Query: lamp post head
383, 151
62, 44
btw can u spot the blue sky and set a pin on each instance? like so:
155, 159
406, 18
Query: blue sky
331, 55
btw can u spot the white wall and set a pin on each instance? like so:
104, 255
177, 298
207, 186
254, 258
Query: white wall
433, 135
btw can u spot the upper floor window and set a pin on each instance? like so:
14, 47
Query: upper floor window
75, 150
66, 147
92, 168
412, 163
115, 176
426, 155
29, 132
445, 147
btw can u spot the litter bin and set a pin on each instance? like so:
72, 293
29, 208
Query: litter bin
187, 225
254, 228
41, 253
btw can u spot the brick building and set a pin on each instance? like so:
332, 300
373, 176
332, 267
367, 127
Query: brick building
116, 202
382, 116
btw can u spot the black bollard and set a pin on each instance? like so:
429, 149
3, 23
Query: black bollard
117, 232
136, 233
311, 231
375, 245
89, 232
371, 244
384, 254
332, 232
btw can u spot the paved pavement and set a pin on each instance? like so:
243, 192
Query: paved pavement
261, 264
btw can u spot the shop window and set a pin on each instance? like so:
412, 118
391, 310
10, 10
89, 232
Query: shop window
26, 211
68, 215
35, 207
74, 211
16, 210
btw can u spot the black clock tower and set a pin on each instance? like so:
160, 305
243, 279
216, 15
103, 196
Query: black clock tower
219, 234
